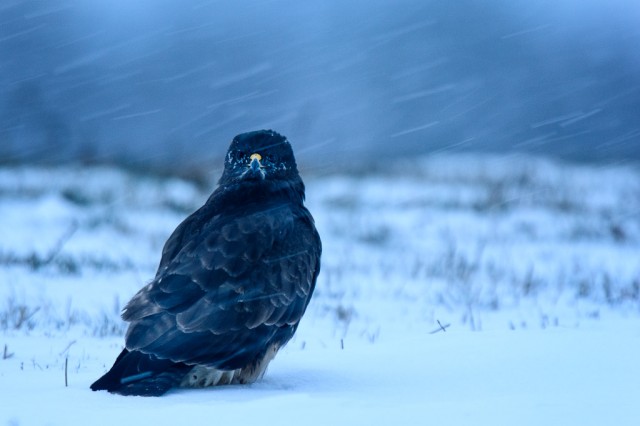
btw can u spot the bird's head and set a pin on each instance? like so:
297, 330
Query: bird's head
263, 155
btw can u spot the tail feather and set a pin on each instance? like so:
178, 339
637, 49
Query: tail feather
137, 373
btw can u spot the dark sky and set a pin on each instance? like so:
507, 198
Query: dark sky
168, 84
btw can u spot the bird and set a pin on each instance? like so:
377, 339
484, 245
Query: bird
233, 282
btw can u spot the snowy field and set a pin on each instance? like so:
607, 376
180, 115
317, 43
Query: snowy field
458, 290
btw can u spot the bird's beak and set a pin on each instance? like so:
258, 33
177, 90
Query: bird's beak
255, 164
255, 169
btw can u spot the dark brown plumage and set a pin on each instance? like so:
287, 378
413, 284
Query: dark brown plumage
233, 282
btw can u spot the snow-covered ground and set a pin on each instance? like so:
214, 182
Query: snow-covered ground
454, 290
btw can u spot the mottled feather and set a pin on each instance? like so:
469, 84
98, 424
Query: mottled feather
234, 278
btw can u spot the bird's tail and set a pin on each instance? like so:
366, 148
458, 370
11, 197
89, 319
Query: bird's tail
137, 373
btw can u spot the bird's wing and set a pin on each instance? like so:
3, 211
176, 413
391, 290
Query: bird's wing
237, 275
188, 230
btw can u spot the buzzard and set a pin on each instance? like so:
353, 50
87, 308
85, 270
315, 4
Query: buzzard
233, 282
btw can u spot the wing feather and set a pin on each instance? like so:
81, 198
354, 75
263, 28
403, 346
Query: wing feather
229, 289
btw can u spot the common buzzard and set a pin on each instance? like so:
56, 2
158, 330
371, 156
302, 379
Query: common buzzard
233, 282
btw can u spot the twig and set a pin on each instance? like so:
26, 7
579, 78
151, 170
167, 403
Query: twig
66, 350
441, 328
60, 244
342, 344
24, 316
6, 354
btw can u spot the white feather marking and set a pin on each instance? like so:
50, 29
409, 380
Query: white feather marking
201, 376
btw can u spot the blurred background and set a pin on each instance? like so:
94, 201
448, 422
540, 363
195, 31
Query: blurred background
164, 86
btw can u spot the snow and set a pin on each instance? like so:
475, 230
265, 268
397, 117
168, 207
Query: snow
560, 376
530, 265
